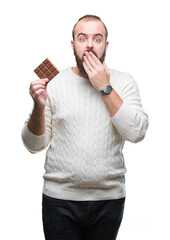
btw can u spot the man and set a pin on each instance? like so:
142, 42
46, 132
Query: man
85, 114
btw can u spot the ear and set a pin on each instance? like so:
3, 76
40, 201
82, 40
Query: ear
72, 44
107, 44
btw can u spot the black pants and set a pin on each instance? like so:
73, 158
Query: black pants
81, 220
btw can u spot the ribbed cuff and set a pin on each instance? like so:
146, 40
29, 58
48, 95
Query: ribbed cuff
33, 142
126, 123
131, 125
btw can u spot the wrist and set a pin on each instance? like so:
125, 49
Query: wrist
102, 85
106, 90
39, 108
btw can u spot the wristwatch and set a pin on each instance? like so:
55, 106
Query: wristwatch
106, 90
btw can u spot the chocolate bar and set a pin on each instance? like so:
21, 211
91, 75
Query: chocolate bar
46, 70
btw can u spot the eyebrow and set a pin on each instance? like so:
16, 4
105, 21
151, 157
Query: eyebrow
84, 34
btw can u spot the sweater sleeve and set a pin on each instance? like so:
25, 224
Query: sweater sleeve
131, 120
35, 143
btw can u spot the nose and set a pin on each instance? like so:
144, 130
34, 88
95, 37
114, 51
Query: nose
89, 43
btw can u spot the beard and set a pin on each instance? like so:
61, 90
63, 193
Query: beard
80, 61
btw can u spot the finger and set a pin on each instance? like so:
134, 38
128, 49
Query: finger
34, 84
88, 65
36, 94
40, 81
95, 59
46, 80
90, 60
36, 87
86, 68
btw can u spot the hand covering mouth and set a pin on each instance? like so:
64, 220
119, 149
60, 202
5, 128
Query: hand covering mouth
90, 50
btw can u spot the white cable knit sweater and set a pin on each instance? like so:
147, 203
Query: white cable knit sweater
84, 160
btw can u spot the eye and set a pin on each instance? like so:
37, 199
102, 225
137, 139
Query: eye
82, 39
97, 39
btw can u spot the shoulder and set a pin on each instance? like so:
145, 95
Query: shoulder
121, 78
122, 81
59, 78
62, 74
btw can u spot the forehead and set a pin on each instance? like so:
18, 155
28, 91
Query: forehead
89, 27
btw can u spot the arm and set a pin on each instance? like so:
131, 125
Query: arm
38, 91
131, 120
36, 123
34, 131
113, 102
99, 76
126, 111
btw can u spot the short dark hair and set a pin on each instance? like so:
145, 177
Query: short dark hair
90, 17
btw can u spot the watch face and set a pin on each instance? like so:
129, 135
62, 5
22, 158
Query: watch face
107, 89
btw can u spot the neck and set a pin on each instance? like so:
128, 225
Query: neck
76, 71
